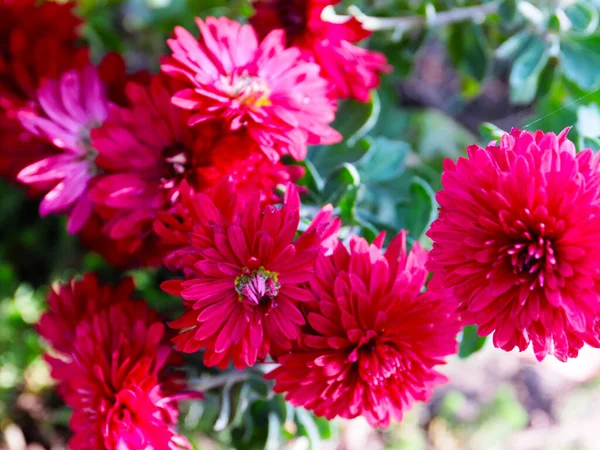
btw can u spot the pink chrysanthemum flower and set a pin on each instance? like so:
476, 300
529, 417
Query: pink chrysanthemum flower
265, 89
245, 277
352, 71
114, 373
147, 150
516, 242
70, 108
372, 340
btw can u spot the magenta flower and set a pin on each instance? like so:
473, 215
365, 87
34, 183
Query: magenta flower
115, 368
517, 242
267, 89
69, 109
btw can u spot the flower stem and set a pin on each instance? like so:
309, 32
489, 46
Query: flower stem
409, 22
203, 384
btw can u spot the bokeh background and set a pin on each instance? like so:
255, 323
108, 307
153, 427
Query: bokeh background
449, 84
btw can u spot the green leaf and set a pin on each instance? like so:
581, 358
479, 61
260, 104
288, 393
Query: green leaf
420, 210
508, 10
384, 160
326, 159
558, 22
311, 178
589, 142
470, 342
490, 132
355, 119
531, 13
347, 204
468, 49
339, 182
513, 45
324, 426
583, 17
526, 70
547, 78
580, 61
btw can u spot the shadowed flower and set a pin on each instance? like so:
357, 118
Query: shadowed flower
245, 277
70, 108
114, 373
265, 89
37, 42
372, 340
516, 242
18, 147
147, 150
352, 71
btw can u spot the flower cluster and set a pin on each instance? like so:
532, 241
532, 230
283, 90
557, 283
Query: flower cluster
110, 150
196, 168
114, 365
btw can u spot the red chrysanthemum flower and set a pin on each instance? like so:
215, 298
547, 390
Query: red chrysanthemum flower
121, 254
516, 242
114, 371
70, 108
147, 150
37, 42
267, 90
373, 339
70, 303
352, 71
245, 278
112, 70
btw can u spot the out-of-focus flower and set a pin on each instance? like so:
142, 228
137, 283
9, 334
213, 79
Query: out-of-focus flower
113, 73
125, 253
69, 108
372, 340
352, 71
516, 242
115, 371
18, 147
147, 150
37, 42
267, 90
246, 276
